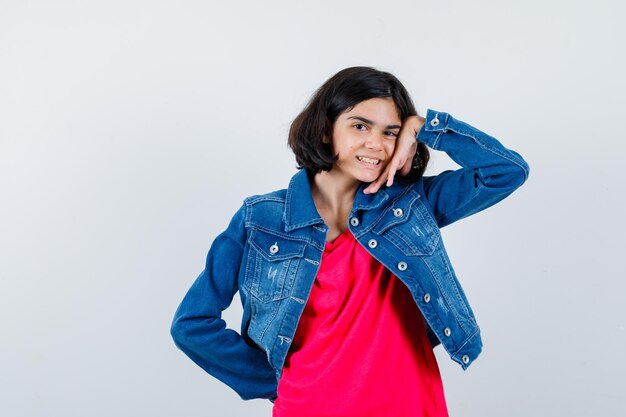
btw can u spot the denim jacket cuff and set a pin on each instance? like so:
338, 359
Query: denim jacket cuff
436, 122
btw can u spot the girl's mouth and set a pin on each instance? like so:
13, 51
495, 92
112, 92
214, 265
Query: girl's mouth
369, 161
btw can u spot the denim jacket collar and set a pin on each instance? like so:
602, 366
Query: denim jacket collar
300, 210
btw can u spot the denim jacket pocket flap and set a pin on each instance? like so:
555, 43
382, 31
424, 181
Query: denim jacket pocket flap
274, 247
409, 226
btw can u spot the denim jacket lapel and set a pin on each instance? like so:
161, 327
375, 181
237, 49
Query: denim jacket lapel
300, 210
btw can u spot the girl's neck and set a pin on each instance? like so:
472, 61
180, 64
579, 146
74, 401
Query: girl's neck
334, 192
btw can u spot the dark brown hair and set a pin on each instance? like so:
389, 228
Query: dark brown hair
339, 94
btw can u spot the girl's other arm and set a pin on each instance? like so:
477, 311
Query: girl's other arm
200, 332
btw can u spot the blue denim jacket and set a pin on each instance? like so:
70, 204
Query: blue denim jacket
271, 251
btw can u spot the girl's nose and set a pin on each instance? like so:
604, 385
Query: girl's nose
374, 141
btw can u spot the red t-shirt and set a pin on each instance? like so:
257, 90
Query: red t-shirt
360, 348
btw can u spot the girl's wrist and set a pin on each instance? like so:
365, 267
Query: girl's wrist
415, 122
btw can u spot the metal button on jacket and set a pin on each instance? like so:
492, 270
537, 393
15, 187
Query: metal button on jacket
435, 121
372, 243
465, 359
354, 221
427, 298
447, 331
273, 249
402, 265
398, 212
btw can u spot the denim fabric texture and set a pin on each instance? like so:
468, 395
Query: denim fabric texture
272, 248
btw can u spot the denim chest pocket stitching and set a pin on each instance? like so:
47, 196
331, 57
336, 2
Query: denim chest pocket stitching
415, 232
273, 261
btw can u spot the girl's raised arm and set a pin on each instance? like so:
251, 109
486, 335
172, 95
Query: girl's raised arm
489, 172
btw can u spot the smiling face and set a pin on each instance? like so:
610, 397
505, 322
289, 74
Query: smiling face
364, 139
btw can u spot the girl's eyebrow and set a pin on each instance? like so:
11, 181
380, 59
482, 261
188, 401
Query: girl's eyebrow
364, 120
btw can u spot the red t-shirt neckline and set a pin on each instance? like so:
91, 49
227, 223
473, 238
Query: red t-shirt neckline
330, 245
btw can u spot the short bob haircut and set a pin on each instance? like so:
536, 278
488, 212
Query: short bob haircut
340, 94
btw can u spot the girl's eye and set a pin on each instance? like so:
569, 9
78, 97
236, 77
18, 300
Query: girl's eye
388, 133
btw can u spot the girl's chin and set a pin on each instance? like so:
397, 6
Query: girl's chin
372, 172
368, 177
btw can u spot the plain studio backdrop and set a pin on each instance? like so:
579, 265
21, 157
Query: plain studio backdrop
131, 131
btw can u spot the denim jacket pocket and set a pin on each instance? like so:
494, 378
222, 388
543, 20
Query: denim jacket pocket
408, 225
273, 261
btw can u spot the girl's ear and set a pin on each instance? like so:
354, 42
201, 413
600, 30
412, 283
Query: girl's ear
325, 139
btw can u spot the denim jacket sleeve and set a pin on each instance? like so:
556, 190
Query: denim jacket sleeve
489, 172
200, 332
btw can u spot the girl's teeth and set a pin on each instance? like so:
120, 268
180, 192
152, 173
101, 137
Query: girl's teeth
371, 161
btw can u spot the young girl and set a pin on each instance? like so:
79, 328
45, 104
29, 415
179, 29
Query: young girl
343, 276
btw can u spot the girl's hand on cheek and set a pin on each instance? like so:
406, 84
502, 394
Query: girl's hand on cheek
406, 146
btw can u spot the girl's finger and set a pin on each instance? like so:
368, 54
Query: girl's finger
379, 181
392, 167
375, 185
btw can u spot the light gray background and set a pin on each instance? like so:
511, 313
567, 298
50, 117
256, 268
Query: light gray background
131, 131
